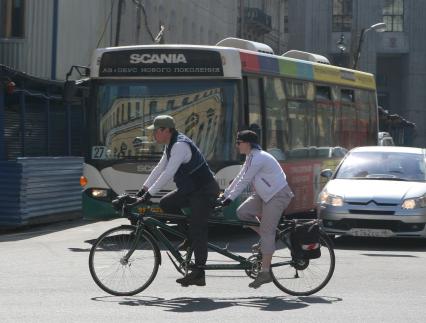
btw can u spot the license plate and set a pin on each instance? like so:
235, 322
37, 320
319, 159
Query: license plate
370, 232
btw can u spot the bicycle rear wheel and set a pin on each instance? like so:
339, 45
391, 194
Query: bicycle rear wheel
117, 275
305, 276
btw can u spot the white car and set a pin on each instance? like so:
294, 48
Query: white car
377, 191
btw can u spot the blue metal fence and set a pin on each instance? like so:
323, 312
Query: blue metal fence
39, 189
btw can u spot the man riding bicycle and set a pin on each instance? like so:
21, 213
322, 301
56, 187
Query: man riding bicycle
196, 188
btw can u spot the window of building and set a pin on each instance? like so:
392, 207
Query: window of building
342, 15
393, 15
138, 109
285, 16
153, 107
12, 13
170, 105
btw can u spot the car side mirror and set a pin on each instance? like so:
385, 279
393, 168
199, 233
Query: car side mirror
327, 173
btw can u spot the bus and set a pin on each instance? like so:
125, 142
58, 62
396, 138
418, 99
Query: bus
306, 112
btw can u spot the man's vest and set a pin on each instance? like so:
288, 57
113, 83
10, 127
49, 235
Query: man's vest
194, 174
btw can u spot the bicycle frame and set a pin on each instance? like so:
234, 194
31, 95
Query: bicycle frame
154, 227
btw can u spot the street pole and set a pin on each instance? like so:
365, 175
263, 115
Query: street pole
379, 27
118, 26
358, 51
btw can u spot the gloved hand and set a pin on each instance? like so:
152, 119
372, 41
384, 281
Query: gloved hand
145, 198
141, 192
226, 202
222, 201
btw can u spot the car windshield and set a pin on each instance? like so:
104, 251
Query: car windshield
383, 165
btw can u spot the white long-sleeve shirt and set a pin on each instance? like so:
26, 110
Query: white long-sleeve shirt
166, 169
263, 171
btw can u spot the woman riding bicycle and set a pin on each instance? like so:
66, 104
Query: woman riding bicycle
271, 197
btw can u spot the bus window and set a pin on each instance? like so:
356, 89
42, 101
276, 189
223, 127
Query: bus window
363, 115
254, 117
373, 126
324, 116
276, 118
211, 121
301, 115
348, 119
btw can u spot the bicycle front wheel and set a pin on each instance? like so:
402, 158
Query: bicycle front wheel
302, 277
115, 272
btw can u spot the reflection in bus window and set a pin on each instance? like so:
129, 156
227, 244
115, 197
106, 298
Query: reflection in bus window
211, 121
301, 113
170, 104
325, 116
276, 118
153, 107
138, 109
363, 116
299, 124
347, 119
254, 103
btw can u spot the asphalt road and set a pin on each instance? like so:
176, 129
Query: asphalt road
44, 277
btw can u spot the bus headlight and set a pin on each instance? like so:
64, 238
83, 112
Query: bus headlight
414, 203
99, 192
330, 199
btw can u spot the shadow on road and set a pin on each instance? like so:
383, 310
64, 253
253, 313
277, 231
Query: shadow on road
196, 304
380, 244
29, 232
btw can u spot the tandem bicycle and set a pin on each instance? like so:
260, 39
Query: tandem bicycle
124, 260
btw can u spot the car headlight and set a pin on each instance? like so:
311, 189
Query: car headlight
414, 203
330, 199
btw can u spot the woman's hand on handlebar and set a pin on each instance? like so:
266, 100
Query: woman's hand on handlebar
223, 202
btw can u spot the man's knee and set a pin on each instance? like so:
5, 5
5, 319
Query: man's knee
163, 204
169, 205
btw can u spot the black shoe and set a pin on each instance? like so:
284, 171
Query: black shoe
196, 277
184, 245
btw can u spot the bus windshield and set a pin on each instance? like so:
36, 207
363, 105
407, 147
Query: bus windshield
205, 110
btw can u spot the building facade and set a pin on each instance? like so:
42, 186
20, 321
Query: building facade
45, 38
396, 56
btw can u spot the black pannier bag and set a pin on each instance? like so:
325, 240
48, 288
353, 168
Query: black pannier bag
305, 240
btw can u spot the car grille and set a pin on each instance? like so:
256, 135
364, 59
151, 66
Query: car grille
366, 203
394, 225
372, 212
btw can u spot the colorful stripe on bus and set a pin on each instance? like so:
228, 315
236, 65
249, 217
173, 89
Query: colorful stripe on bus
289, 67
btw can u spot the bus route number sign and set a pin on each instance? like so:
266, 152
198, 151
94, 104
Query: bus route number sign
99, 152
